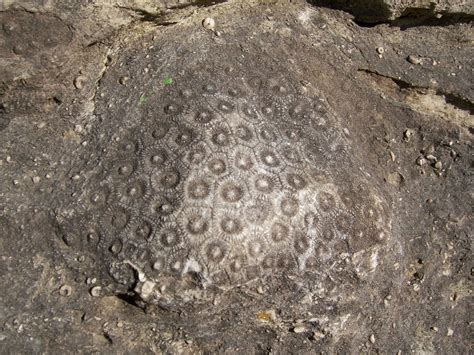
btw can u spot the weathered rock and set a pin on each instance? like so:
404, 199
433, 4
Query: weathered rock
105, 185
389, 10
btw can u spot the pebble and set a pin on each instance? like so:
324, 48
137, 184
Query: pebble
260, 290
413, 59
431, 157
421, 161
299, 329
36, 179
209, 23
145, 289
318, 335
267, 316
96, 291
123, 80
392, 156
8, 159
450, 332
372, 339
408, 134
65, 290
438, 165
79, 82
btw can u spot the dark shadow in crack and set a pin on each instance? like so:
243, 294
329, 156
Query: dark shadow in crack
378, 13
415, 17
197, 3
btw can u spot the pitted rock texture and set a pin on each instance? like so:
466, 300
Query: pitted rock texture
229, 173
133, 215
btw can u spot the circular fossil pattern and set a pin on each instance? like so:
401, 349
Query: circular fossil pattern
163, 206
172, 109
231, 225
159, 131
133, 191
99, 197
170, 236
279, 232
327, 201
204, 116
225, 106
289, 206
267, 134
167, 179
196, 155
225, 174
122, 169
142, 230
116, 218
156, 158
269, 158
198, 189
265, 183
197, 224
221, 137
232, 192
258, 212
215, 252
296, 181
243, 132
301, 242
244, 161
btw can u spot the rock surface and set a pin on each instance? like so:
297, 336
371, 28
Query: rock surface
373, 11
283, 180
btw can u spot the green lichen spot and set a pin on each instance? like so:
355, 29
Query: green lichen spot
142, 99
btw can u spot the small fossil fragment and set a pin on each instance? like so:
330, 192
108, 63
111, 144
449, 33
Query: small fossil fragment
413, 59
421, 161
145, 289
95, 291
79, 82
65, 290
408, 134
267, 316
299, 329
318, 335
209, 23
